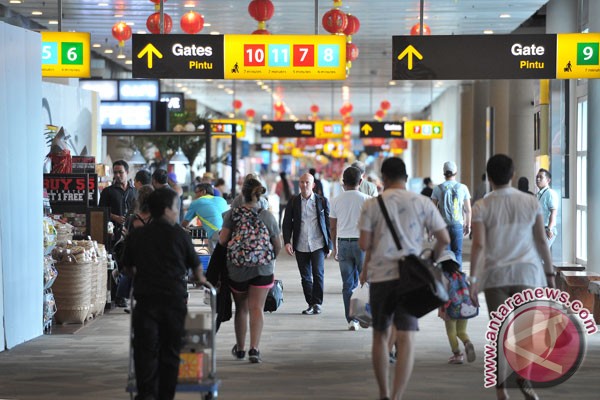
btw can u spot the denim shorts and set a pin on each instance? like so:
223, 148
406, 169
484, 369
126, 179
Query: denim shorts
386, 306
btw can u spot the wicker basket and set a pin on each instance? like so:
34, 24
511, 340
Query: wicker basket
72, 292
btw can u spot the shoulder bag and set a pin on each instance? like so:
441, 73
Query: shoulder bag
420, 279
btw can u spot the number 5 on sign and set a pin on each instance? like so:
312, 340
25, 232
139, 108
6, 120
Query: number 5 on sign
329, 55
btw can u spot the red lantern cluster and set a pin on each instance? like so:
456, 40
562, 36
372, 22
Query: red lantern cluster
353, 25
153, 23
192, 22
262, 11
122, 32
384, 106
279, 109
416, 30
337, 22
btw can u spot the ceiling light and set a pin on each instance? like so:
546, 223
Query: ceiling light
108, 51
189, 5
392, 83
36, 13
179, 85
121, 56
96, 45
137, 158
231, 115
207, 24
215, 32
128, 62
141, 32
15, 1
488, 32
504, 15
118, 15
179, 158
53, 22
130, 23
220, 86
209, 80
102, 4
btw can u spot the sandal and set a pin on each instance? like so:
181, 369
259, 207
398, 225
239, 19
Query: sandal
457, 358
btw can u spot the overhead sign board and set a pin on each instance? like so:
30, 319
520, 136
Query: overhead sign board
381, 129
539, 56
240, 57
423, 130
329, 129
66, 54
226, 127
287, 129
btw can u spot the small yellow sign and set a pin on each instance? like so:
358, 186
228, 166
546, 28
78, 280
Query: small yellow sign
225, 126
423, 130
578, 55
66, 54
329, 129
285, 57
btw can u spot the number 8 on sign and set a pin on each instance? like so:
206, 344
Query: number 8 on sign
329, 55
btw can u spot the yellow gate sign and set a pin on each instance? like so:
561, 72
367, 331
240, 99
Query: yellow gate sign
578, 56
66, 54
423, 130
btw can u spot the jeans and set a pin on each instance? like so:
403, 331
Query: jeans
456, 242
124, 287
158, 327
311, 266
351, 258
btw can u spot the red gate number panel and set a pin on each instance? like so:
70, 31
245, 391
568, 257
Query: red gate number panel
254, 55
304, 55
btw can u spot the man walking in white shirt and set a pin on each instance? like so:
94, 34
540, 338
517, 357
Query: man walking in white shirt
344, 216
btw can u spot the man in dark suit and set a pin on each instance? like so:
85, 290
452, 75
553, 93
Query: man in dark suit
306, 224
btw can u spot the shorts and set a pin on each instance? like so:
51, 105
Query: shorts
260, 281
385, 306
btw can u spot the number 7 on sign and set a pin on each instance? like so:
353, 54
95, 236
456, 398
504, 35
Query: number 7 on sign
304, 55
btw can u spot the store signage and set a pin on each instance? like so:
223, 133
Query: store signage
175, 100
381, 129
139, 90
83, 164
240, 57
108, 89
70, 189
423, 130
539, 56
287, 129
329, 129
65, 54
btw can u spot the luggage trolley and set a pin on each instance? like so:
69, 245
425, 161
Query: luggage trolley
198, 365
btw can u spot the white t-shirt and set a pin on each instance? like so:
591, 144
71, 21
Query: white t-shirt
511, 258
410, 213
346, 209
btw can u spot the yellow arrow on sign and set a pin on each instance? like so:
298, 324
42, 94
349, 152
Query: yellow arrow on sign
410, 51
268, 128
150, 50
366, 128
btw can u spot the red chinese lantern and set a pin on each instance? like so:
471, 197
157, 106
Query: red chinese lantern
153, 23
347, 107
416, 30
335, 21
385, 105
237, 104
353, 25
122, 32
380, 114
314, 109
261, 10
261, 32
192, 22
351, 52
250, 113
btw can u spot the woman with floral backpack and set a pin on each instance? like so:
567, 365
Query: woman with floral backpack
251, 235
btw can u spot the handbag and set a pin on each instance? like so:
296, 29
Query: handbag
422, 290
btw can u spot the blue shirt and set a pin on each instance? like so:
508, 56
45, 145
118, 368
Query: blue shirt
548, 199
209, 210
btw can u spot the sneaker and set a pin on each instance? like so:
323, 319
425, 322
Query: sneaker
353, 326
470, 350
309, 311
457, 359
238, 354
393, 357
254, 356
121, 302
317, 309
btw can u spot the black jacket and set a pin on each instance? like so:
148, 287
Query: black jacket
293, 216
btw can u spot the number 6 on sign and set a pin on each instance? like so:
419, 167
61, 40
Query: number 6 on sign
329, 55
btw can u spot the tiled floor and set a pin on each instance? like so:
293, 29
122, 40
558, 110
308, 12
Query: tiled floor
304, 357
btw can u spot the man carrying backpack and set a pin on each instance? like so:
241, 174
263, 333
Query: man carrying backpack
453, 200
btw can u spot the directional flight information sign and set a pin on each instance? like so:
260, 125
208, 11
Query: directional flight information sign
240, 57
287, 129
381, 129
539, 56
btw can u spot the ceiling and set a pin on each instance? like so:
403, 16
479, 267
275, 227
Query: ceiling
369, 80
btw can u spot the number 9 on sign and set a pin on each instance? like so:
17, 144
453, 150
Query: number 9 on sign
329, 55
